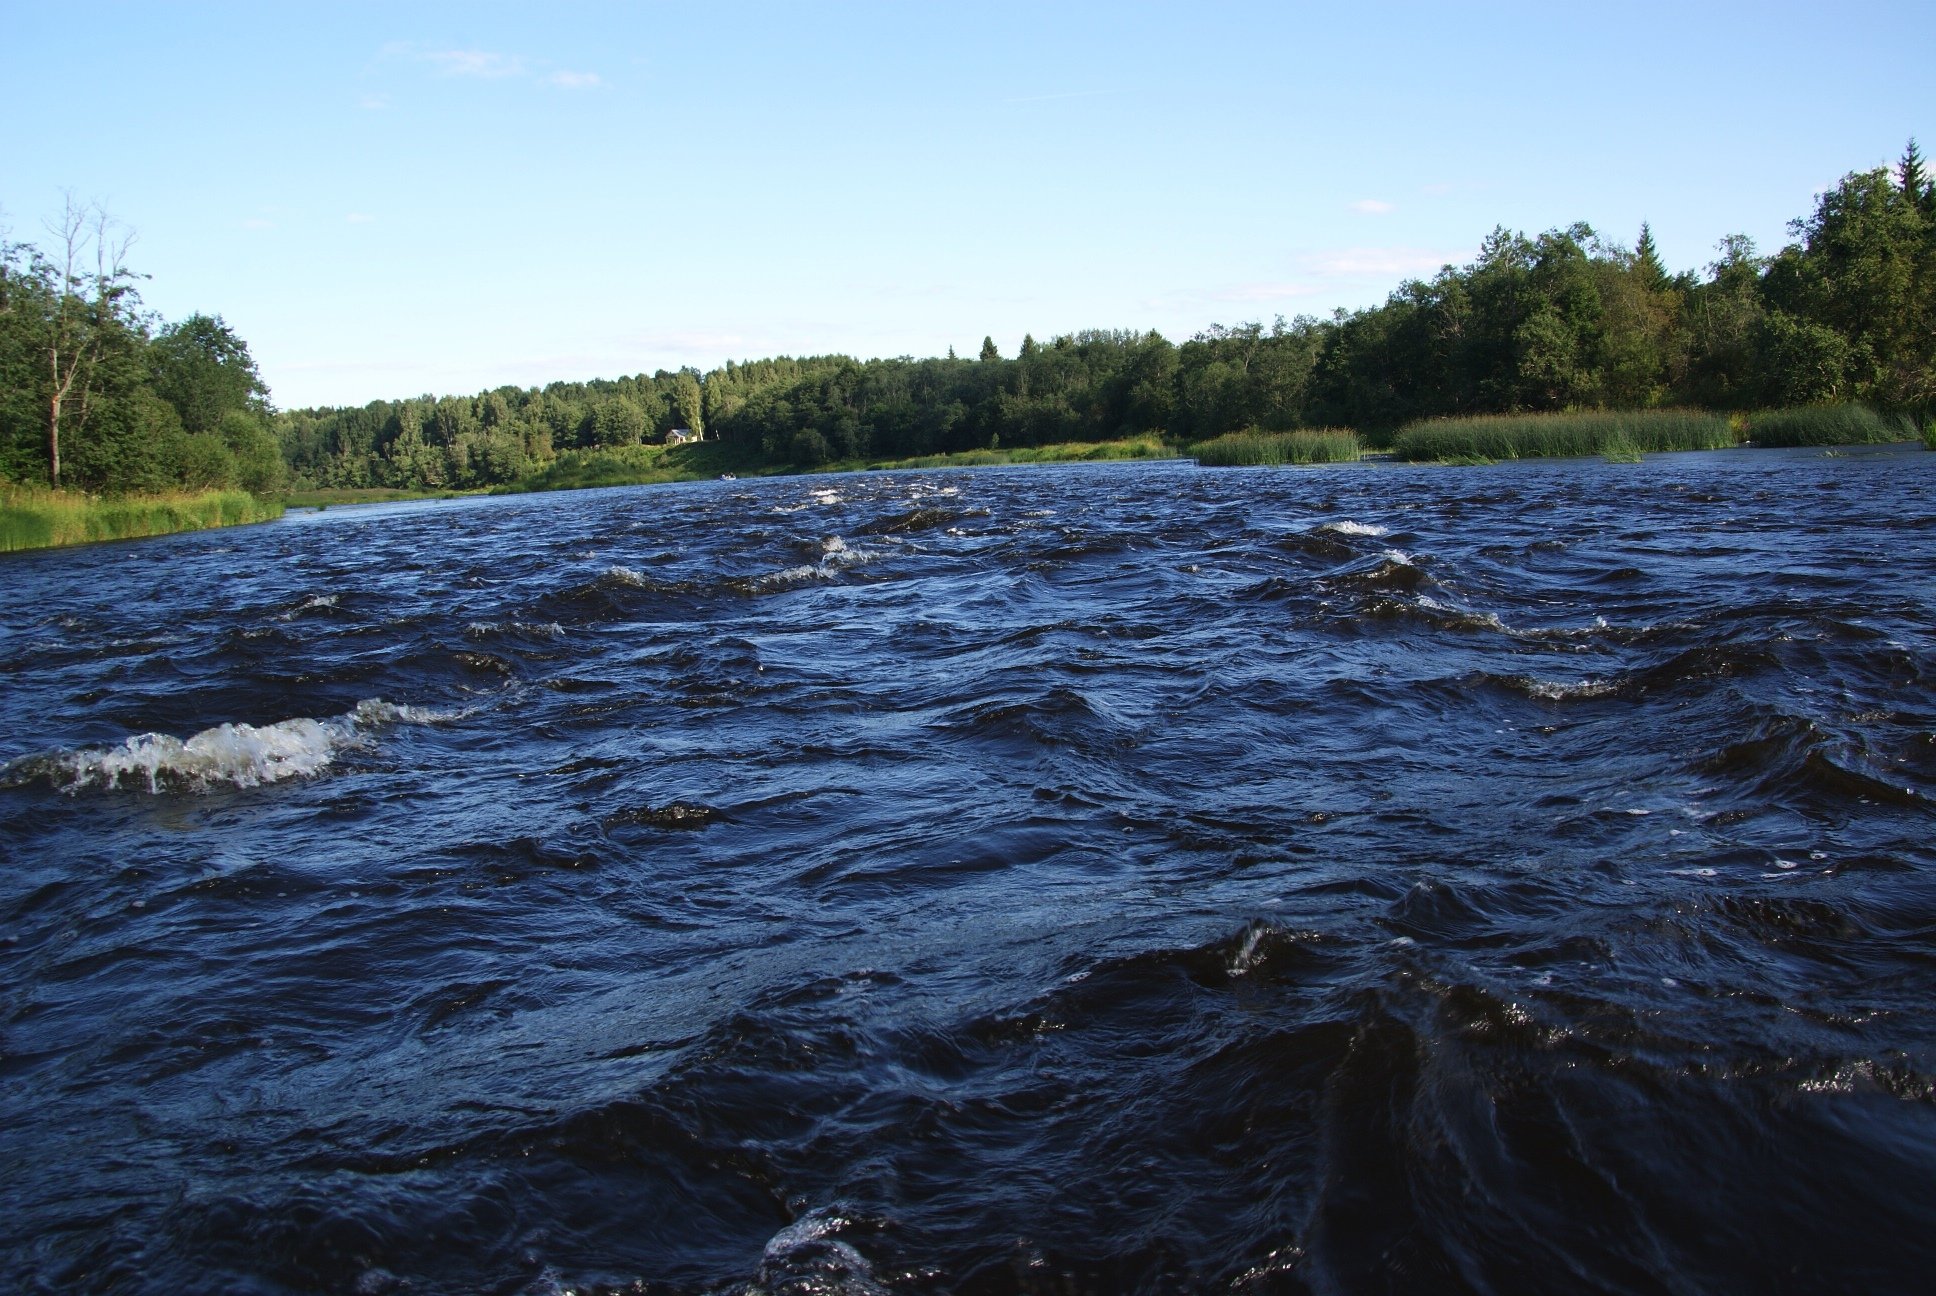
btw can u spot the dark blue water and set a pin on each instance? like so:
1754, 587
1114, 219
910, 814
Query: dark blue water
1097, 879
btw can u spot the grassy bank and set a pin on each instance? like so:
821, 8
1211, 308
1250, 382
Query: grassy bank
1618, 433
326, 496
36, 518
1828, 425
1059, 452
649, 465
1253, 447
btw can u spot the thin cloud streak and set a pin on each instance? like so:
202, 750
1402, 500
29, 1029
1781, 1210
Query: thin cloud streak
474, 63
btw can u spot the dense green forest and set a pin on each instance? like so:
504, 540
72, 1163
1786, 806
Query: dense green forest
1565, 320
98, 394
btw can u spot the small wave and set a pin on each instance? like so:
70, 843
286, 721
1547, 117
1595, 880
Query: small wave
1348, 527
228, 755
632, 576
490, 629
1561, 690
835, 554
313, 603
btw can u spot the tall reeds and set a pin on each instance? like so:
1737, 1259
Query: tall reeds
1828, 425
1252, 447
36, 518
1622, 434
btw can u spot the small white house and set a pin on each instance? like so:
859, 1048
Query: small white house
679, 436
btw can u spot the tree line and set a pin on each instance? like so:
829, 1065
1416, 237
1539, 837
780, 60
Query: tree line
98, 394
1569, 319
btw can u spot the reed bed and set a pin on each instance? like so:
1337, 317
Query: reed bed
1255, 448
1619, 433
37, 518
1055, 452
1828, 425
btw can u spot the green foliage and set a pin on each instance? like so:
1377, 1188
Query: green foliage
36, 517
129, 409
1529, 436
1253, 447
1826, 425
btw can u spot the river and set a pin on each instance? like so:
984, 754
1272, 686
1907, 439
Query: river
1114, 878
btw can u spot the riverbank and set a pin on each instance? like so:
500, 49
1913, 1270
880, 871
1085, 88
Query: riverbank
648, 465
38, 518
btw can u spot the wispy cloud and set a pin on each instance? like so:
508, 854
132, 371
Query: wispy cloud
373, 102
1373, 207
1375, 262
1265, 292
474, 63
359, 218
485, 65
257, 223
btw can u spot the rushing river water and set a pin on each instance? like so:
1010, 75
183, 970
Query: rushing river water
1064, 880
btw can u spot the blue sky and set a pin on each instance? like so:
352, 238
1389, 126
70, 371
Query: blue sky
386, 200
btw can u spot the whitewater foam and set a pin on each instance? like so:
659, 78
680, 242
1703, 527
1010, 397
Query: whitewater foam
227, 755
1348, 527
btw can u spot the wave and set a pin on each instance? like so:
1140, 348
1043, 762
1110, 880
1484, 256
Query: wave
227, 755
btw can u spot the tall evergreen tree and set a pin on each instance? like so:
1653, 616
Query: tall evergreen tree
1647, 263
988, 351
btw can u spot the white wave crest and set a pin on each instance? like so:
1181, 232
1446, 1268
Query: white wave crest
1348, 527
228, 755
1560, 691
626, 576
835, 554
485, 629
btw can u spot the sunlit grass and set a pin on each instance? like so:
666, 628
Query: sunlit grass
1622, 433
36, 518
1057, 452
323, 497
1828, 425
1253, 447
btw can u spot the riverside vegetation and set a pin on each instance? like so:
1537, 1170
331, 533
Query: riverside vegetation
1564, 343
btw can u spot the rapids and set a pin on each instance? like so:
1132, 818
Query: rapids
1095, 879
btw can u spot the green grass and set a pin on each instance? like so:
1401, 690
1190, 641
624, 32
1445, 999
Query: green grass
1929, 435
650, 465
323, 497
1058, 452
1828, 425
1622, 433
36, 518
1253, 447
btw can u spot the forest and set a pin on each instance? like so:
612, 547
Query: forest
98, 394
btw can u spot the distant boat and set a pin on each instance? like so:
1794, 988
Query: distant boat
729, 476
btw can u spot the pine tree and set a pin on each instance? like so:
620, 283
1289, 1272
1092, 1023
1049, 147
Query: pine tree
1647, 260
1909, 172
1913, 175
1028, 344
988, 351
